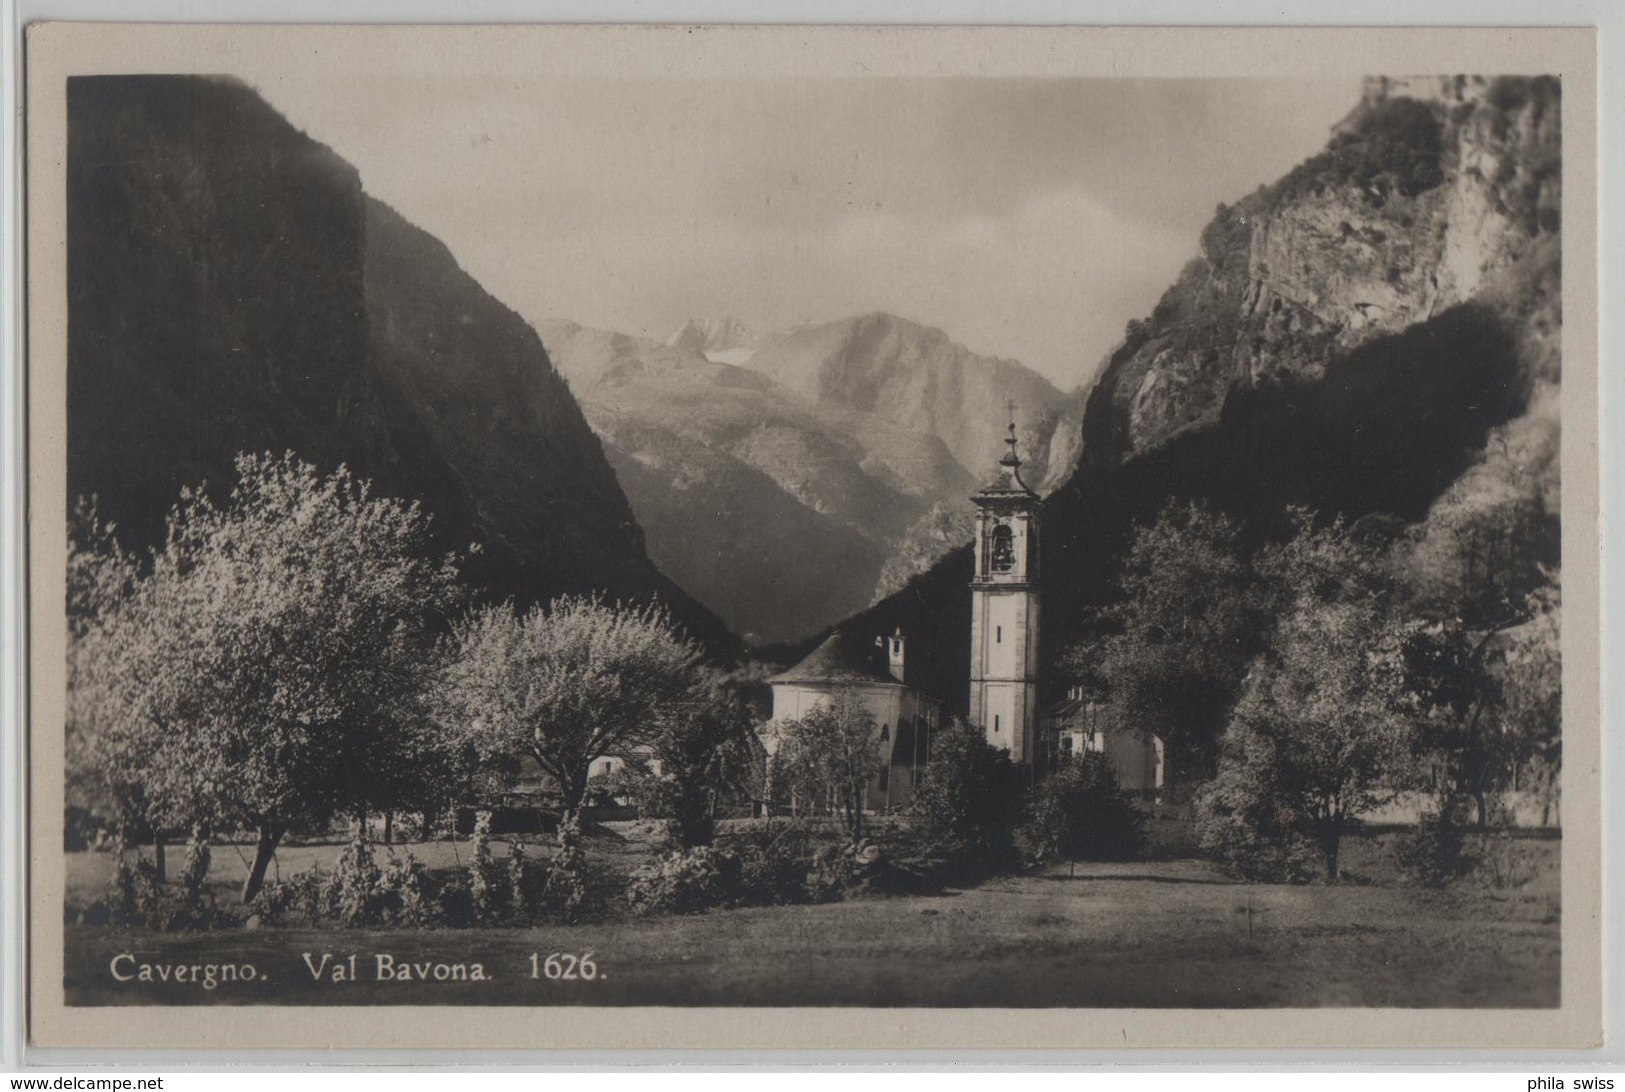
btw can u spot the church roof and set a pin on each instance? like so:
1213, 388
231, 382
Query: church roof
841, 658
1004, 484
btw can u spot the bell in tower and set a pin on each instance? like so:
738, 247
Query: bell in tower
1004, 609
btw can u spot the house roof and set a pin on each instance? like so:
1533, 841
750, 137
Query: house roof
841, 658
1077, 706
1069, 708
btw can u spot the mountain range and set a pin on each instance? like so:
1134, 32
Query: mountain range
725, 340
1377, 334
788, 479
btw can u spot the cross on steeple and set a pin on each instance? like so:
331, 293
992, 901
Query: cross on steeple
1010, 458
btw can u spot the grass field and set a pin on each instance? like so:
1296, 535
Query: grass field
1169, 933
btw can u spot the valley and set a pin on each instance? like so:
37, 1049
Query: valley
787, 480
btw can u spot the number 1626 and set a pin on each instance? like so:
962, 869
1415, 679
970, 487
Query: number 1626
563, 967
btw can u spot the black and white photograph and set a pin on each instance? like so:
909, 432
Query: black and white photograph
631, 535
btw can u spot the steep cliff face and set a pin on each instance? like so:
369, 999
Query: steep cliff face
1379, 332
232, 288
1419, 204
181, 350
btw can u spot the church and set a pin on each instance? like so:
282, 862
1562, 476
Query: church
1003, 673
873, 670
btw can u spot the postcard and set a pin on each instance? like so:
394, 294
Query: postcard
840, 537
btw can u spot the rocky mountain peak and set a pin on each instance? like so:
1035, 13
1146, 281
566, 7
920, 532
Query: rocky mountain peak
907, 372
726, 340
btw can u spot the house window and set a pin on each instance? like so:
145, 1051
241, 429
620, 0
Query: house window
995, 722
885, 778
998, 635
885, 732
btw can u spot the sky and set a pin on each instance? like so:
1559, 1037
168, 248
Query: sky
1028, 218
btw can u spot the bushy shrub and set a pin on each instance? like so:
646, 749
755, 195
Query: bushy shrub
136, 896
770, 867
523, 888
565, 890
487, 882
192, 904
357, 893
357, 882
406, 897
303, 898
1240, 825
685, 882
792, 862
968, 807
1500, 863
362, 892
133, 888
454, 904
517, 890
772, 873
1434, 853
834, 871
1079, 813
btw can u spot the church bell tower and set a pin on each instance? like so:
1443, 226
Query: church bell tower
1004, 611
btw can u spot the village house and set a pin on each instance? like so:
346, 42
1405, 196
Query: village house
1080, 724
